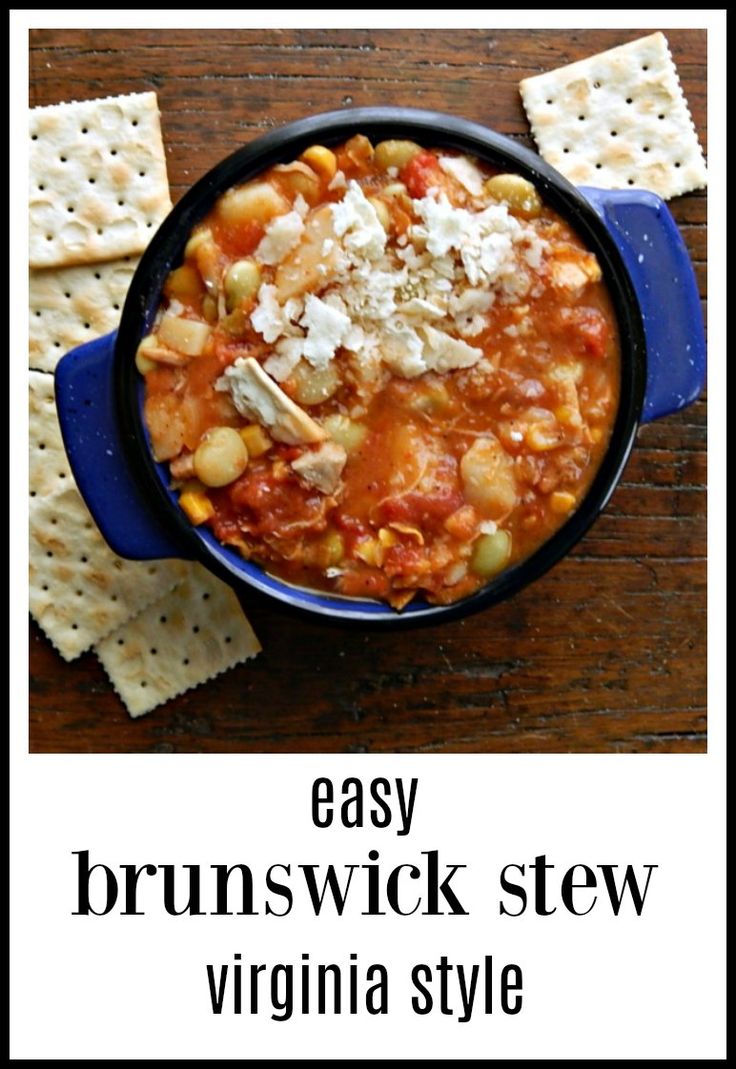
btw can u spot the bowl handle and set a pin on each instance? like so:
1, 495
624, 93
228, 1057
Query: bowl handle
86, 406
657, 261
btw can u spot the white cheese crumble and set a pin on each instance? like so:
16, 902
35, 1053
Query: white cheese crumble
338, 181
286, 355
401, 308
267, 318
464, 171
355, 220
326, 325
282, 235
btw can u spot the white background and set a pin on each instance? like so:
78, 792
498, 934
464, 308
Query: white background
595, 986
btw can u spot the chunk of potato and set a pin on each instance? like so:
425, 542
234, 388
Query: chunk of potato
187, 336
256, 202
487, 472
346, 432
314, 261
516, 192
313, 385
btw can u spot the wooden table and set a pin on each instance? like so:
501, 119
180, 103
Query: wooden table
606, 653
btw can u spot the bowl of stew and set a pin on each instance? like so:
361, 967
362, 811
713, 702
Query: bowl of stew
383, 366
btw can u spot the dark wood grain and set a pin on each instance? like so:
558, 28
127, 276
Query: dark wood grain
606, 653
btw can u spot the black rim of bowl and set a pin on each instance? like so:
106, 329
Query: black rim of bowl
431, 129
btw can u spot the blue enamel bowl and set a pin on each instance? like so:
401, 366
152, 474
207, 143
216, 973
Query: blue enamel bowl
100, 394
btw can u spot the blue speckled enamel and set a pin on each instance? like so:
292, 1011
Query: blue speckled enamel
657, 261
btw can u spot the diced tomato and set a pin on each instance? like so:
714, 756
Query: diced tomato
592, 329
426, 511
421, 173
277, 507
237, 240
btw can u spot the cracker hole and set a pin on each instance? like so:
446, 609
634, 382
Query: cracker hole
86, 326
134, 122
62, 475
49, 553
49, 237
645, 67
596, 85
85, 130
195, 630
83, 560
99, 229
41, 186
141, 174
57, 345
44, 587
75, 627
581, 118
37, 313
646, 148
121, 642
121, 204
34, 137
677, 164
614, 133
566, 150
630, 181
205, 596
162, 619
33, 493
62, 159
227, 639
113, 152
550, 101
98, 275
185, 661
660, 116
80, 594
68, 296
143, 683
153, 652
91, 181
70, 207
629, 100
149, 224
152, 570
41, 445
116, 307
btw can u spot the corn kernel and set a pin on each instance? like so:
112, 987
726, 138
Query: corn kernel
256, 440
321, 160
332, 549
561, 501
540, 437
198, 507
568, 416
595, 435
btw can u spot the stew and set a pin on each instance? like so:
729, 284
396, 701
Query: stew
382, 371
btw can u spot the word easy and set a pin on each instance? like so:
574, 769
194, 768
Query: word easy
355, 809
